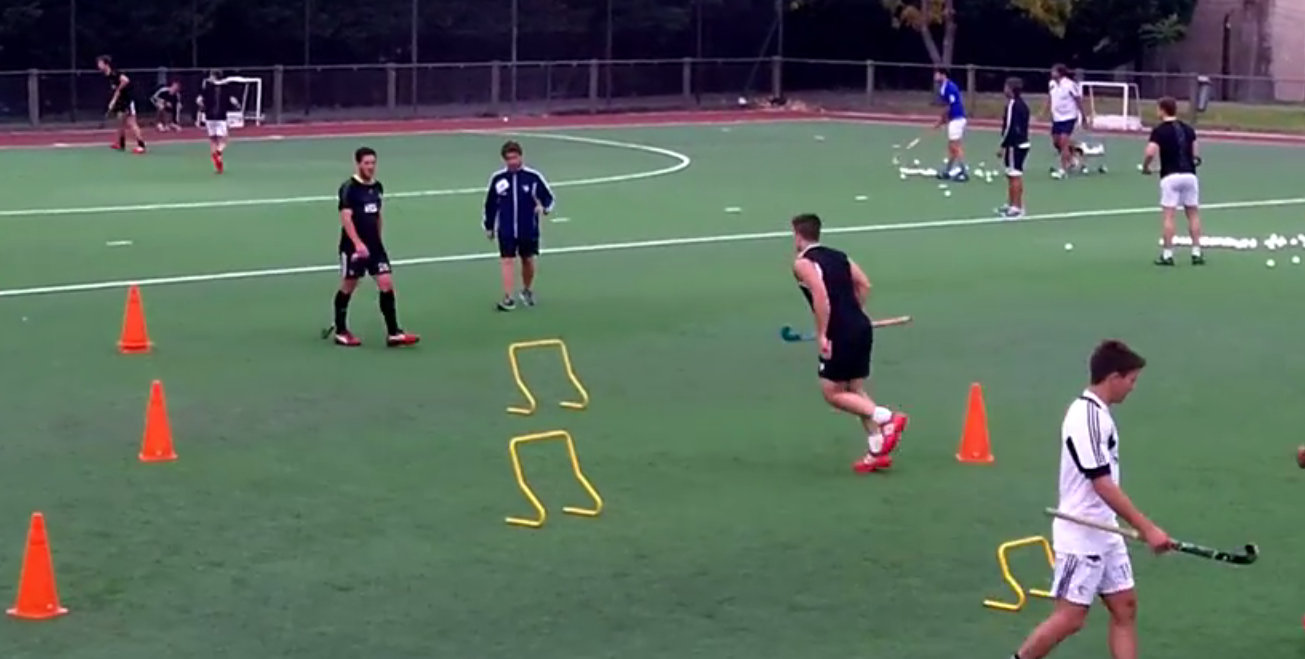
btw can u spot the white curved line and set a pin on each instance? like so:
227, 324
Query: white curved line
682, 163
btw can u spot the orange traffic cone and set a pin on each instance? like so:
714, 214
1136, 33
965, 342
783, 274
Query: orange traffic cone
38, 599
134, 338
976, 447
157, 445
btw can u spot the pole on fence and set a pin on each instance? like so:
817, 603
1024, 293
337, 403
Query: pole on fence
414, 56
72, 61
194, 34
308, 55
34, 97
869, 83
779, 28
516, 34
608, 48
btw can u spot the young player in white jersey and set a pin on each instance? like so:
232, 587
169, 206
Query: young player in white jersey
1065, 101
1092, 563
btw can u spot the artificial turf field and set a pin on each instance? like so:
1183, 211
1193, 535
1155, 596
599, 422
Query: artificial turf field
335, 503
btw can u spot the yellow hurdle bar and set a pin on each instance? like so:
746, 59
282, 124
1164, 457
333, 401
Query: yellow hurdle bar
1003, 559
541, 515
533, 405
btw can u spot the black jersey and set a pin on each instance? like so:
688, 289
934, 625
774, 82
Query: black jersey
213, 97
364, 199
1177, 142
127, 92
845, 313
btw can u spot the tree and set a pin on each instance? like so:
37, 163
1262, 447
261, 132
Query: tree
1108, 33
924, 17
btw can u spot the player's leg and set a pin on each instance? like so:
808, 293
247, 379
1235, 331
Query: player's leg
133, 126
1190, 198
351, 270
1119, 594
1168, 208
508, 249
843, 375
1076, 583
1015, 158
955, 167
378, 265
217, 135
120, 128
528, 250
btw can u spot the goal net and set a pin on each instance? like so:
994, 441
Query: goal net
1112, 105
245, 97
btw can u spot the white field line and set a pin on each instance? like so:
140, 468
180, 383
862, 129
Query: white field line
642, 244
682, 162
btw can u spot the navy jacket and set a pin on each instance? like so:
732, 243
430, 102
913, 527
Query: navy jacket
511, 201
1015, 125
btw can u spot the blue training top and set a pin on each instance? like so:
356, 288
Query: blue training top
950, 95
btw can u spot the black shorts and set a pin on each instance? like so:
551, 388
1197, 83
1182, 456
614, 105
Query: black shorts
1015, 157
376, 263
849, 356
512, 247
125, 106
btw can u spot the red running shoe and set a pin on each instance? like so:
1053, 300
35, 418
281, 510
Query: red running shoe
892, 432
872, 463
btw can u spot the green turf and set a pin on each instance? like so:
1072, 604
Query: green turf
334, 504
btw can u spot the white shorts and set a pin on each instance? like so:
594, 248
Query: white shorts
216, 129
956, 129
1079, 579
1180, 191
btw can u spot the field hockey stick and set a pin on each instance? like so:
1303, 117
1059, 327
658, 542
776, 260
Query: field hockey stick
791, 335
1247, 556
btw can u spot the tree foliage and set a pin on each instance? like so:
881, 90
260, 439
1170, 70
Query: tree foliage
926, 17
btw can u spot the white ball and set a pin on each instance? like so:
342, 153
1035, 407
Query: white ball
1069, 247
1295, 260
1270, 263
1139, 166
1255, 244
947, 193
1294, 242
916, 162
902, 175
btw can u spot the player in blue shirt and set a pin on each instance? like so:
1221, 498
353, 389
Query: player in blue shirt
953, 117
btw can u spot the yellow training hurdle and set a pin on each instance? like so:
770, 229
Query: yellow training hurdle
541, 515
1003, 559
532, 404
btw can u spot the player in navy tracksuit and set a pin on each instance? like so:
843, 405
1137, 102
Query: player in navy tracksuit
516, 198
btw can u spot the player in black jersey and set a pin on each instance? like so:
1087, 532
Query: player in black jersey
167, 104
836, 290
363, 252
1174, 143
122, 104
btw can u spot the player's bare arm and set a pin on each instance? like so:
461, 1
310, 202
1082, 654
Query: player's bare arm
861, 283
346, 221
1149, 156
1114, 496
807, 274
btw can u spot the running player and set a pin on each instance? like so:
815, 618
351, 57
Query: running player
1174, 143
1092, 563
517, 196
1014, 147
836, 289
953, 117
363, 252
212, 101
1065, 102
167, 103
122, 104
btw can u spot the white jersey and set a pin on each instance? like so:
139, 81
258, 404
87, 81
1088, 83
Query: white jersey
1064, 99
1089, 449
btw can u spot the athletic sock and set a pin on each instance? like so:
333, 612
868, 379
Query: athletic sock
875, 443
882, 415
390, 312
140, 143
342, 312
1196, 250
1167, 253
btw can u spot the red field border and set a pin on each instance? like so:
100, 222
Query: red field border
90, 137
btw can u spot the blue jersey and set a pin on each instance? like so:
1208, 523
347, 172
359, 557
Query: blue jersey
950, 95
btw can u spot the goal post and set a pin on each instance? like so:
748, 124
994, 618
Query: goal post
1112, 105
246, 93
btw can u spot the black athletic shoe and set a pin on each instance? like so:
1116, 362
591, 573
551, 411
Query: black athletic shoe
508, 304
1161, 260
1198, 259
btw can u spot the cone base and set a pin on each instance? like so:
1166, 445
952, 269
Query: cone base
42, 615
988, 459
134, 348
158, 458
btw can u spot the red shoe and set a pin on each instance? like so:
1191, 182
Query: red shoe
140, 150
217, 163
401, 339
117, 147
871, 463
347, 339
892, 432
